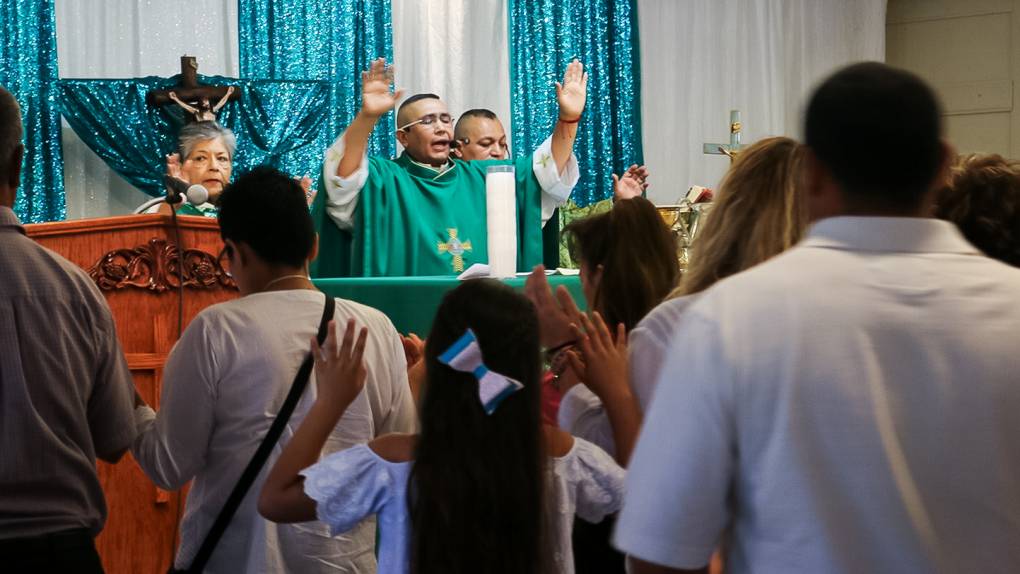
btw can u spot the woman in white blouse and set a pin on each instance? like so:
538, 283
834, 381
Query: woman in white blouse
485, 487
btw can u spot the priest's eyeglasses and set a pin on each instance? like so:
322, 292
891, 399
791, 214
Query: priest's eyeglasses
429, 120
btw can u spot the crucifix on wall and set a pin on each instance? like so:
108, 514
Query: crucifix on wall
731, 149
193, 98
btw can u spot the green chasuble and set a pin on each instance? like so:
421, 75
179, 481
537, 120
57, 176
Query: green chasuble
204, 210
412, 221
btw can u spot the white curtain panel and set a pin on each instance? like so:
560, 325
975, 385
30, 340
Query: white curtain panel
702, 58
125, 39
456, 49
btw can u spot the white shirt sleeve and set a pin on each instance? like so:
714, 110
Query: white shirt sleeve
403, 417
171, 444
556, 187
684, 463
582, 415
342, 192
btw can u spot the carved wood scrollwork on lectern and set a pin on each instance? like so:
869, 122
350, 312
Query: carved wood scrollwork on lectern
154, 266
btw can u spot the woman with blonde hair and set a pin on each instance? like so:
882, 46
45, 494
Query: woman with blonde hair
758, 212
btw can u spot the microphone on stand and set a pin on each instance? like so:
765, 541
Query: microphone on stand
178, 189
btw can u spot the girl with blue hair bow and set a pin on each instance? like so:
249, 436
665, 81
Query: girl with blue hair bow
484, 486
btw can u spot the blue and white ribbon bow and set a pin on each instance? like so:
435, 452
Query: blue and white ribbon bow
466, 356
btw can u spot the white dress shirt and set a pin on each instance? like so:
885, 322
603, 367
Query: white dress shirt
848, 406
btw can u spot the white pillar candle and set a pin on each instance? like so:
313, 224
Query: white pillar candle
501, 218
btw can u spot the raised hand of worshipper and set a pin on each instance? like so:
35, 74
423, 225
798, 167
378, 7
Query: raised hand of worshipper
173, 165
339, 376
376, 97
340, 373
604, 365
600, 360
414, 348
631, 184
572, 93
554, 314
414, 352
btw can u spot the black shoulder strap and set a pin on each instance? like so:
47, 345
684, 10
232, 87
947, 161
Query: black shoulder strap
262, 454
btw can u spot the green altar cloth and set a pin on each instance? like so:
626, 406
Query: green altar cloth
411, 302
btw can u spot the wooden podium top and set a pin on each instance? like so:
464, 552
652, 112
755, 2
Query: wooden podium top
139, 250
119, 223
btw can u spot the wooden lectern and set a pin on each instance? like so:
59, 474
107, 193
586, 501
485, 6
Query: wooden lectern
134, 261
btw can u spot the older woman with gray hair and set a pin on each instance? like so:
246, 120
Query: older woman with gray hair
205, 157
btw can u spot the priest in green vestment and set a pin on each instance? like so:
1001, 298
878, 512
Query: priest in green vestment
424, 213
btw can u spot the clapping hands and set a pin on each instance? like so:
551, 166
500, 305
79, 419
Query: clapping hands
554, 314
604, 366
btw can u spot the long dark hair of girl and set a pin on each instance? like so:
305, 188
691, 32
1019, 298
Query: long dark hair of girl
475, 496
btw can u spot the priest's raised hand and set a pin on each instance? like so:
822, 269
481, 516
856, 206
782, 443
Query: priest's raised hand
376, 100
572, 93
376, 97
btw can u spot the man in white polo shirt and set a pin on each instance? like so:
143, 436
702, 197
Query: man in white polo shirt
850, 405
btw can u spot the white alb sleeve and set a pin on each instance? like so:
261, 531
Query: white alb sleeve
556, 187
342, 192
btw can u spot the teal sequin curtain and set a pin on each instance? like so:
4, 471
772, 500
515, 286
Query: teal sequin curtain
319, 40
28, 69
545, 35
331, 40
274, 123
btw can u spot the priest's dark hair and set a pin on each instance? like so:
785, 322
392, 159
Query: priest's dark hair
266, 209
401, 120
878, 130
637, 255
475, 491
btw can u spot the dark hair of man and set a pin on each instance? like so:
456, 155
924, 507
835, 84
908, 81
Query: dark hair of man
402, 118
475, 113
877, 129
10, 130
638, 258
475, 496
266, 209
983, 199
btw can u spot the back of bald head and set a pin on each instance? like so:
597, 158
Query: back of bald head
404, 110
10, 133
468, 116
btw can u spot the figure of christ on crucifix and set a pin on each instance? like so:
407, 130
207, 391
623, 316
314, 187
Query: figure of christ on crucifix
733, 148
193, 98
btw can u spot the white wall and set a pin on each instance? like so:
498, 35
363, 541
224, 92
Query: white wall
969, 50
702, 58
